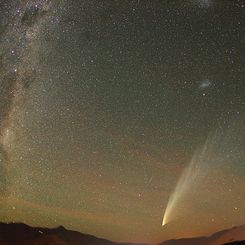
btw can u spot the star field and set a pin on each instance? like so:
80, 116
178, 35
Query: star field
103, 105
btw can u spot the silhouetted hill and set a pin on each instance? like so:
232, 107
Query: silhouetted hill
218, 238
21, 234
236, 243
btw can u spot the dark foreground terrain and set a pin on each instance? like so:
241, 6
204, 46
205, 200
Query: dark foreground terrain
236, 243
21, 234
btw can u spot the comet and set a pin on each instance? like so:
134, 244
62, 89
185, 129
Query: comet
184, 183
206, 164
197, 172
163, 222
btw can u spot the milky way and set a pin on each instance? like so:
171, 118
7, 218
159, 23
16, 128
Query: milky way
104, 104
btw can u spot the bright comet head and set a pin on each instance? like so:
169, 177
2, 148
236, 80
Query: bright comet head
163, 221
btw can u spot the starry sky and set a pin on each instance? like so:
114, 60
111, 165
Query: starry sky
105, 104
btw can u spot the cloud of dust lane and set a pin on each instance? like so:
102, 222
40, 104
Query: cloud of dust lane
18, 64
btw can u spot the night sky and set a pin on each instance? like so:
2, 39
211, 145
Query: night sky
105, 105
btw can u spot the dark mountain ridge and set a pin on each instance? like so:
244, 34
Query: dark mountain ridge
18, 233
235, 234
22, 234
236, 243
